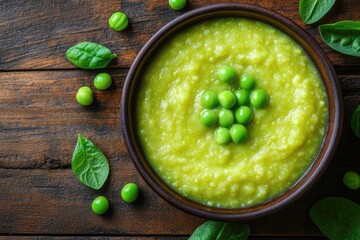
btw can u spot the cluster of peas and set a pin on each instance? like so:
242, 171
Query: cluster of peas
85, 96
231, 111
129, 193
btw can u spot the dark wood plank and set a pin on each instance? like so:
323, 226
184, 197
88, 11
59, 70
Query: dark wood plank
36, 34
54, 202
143, 238
39, 112
41, 201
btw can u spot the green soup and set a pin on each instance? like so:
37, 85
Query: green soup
284, 137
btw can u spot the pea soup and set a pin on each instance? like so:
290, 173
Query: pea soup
283, 139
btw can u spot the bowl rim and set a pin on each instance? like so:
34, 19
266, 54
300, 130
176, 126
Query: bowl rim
322, 64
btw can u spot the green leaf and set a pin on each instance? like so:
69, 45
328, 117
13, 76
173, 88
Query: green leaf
338, 218
213, 230
89, 55
312, 11
342, 36
89, 164
355, 121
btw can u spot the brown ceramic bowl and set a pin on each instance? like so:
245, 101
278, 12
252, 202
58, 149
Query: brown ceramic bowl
325, 68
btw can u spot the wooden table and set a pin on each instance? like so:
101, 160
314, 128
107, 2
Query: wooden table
40, 120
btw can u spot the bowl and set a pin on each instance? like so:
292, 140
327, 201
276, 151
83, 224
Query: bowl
316, 168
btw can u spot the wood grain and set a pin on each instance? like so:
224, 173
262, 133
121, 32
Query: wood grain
36, 34
39, 112
41, 201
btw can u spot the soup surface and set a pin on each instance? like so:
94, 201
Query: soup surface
284, 137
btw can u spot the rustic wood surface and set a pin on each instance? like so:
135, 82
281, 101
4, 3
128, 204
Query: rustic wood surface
40, 119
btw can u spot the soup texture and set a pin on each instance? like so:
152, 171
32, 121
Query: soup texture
284, 137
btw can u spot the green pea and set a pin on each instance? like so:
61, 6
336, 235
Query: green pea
351, 180
259, 98
222, 136
86, 89
84, 96
247, 82
209, 99
227, 99
102, 81
242, 97
226, 118
118, 21
244, 115
238, 133
100, 205
208, 117
227, 74
177, 4
130, 192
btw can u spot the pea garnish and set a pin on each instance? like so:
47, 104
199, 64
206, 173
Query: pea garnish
130, 192
244, 115
102, 81
84, 96
247, 82
259, 98
235, 112
100, 205
86, 89
209, 99
238, 133
227, 99
222, 136
242, 97
118, 21
208, 117
226, 118
227, 75
177, 4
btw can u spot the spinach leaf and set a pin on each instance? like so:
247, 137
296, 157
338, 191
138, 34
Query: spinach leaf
342, 36
89, 164
312, 11
338, 218
89, 55
212, 230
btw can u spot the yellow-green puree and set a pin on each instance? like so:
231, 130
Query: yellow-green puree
284, 137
